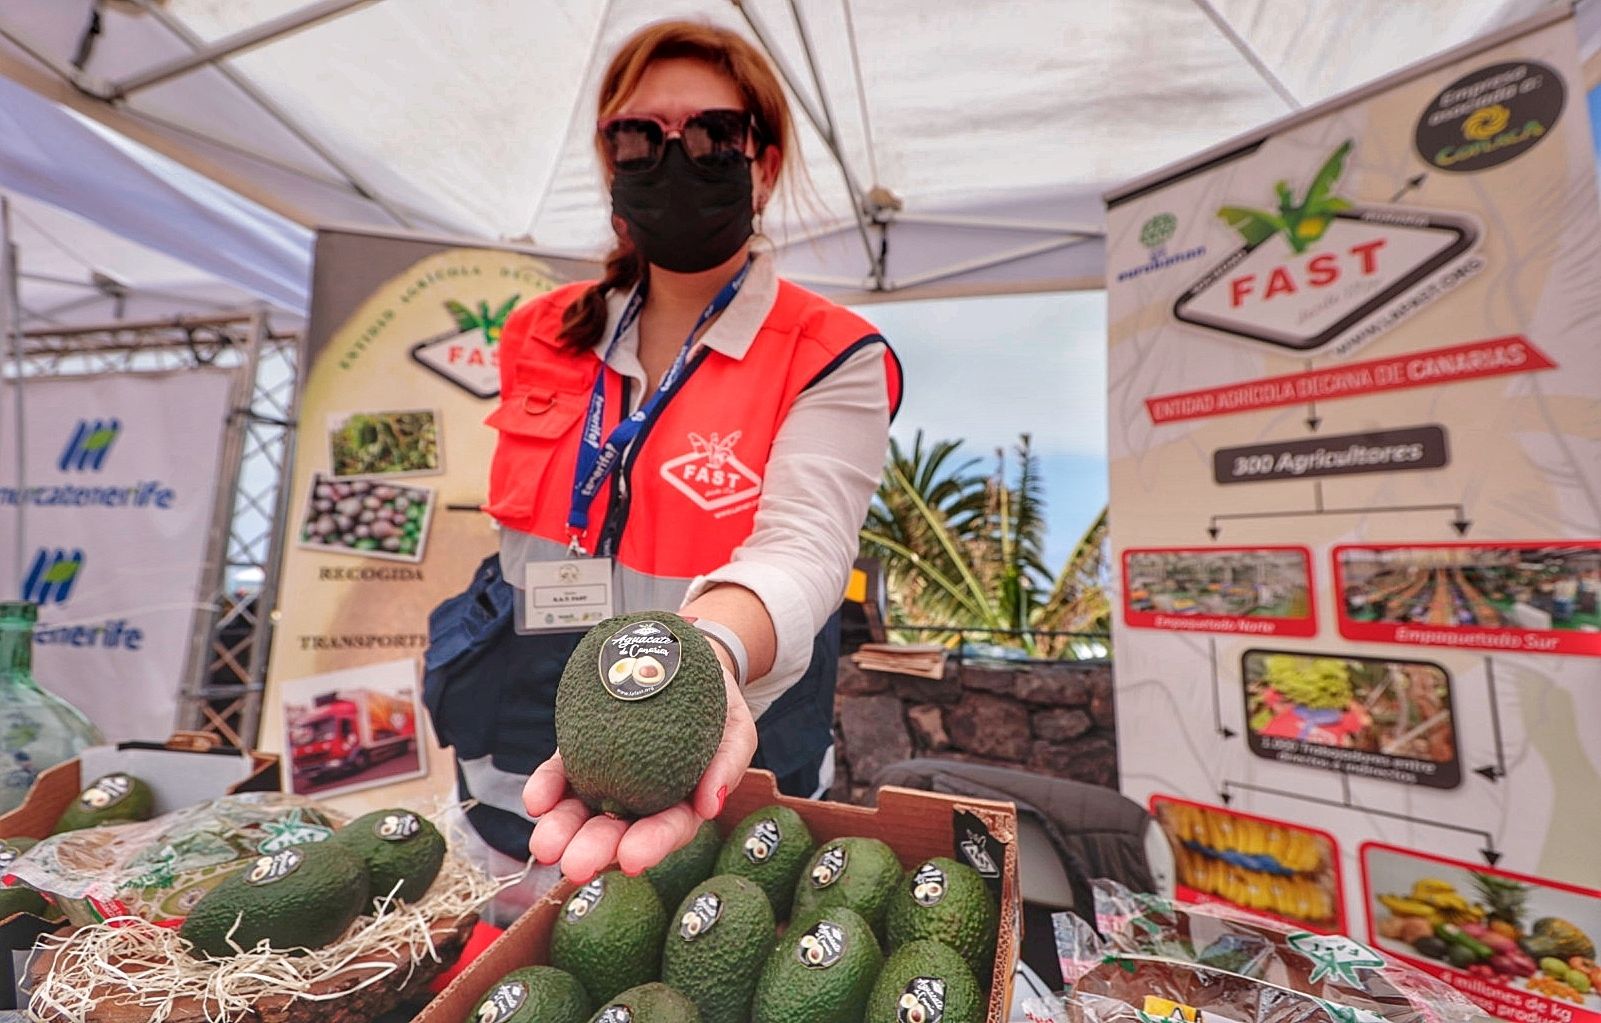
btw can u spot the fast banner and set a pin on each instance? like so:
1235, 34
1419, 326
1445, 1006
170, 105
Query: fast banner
391, 465
1356, 503
114, 501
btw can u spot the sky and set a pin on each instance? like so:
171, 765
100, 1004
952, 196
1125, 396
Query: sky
983, 370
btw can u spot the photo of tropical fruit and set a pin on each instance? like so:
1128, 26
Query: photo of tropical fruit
384, 444
367, 517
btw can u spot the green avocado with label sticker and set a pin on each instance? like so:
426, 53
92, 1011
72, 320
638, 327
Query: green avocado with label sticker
114, 798
821, 972
925, 982
769, 847
639, 713
949, 902
686, 867
301, 897
17, 897
402, 851
533, 994
857, 873
647, 1003
716, 945
609, 934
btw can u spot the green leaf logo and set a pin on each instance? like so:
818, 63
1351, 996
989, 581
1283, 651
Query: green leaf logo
490, 322
1302, 222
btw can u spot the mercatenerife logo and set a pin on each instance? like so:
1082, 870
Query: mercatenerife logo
89, 444
1319, 273
469, 357
51, 575
1155, 233
712, 476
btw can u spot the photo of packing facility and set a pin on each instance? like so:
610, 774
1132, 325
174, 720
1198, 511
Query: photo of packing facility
1237, 584
1534, 588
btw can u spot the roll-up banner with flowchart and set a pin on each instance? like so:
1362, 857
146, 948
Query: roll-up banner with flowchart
390, 468
114, 502
1356, 511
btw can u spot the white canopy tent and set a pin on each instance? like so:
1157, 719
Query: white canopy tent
952, 147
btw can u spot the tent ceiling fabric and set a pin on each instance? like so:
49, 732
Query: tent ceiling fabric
996, 131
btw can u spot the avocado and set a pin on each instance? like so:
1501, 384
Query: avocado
639, 712
301, 897
858, 873
609, 935
533, 994
647, 1003
111, 799
716, 945
687, 867
923, 981
948, 902
819, 973
399, 848
16, 896
770, 847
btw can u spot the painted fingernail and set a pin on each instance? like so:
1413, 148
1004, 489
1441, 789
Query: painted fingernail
722, 797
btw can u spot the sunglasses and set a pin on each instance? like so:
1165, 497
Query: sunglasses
637, 142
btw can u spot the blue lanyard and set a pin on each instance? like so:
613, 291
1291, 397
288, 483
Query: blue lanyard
598, 458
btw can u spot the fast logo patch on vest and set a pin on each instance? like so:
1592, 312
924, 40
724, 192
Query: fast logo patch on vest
923, 1001
711, 475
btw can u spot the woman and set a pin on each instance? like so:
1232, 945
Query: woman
690, 427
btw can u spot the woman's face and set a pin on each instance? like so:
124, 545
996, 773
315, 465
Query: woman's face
674, 88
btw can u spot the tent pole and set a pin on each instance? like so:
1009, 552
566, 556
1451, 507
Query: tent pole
272, 109
10, 307
1247, 51
257, 35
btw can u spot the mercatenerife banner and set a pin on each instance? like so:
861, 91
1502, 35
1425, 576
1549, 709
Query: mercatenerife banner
1356, 508
114, 500
391, 466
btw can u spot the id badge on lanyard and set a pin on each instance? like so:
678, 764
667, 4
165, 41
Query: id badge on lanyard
576, 592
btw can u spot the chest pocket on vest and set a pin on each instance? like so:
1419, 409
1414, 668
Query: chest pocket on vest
537, 428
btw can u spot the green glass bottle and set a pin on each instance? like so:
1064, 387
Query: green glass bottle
37, 729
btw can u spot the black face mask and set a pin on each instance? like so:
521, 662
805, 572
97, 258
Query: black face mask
683, 216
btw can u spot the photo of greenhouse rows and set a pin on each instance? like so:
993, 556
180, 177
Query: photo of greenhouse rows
1538, 588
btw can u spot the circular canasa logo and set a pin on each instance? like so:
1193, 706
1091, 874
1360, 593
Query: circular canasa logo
1158, 231
763, 840
585, 900
270, 869
928, 885
1490, 116
397, 827
829, 867
923, 1001
822, 946
639, 660
106, 792
503, 1002
702, 914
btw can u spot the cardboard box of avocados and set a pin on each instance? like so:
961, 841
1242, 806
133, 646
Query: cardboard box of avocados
917, 825
188, 769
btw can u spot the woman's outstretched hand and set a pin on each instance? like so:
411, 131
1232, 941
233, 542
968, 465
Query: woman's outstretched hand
587, 843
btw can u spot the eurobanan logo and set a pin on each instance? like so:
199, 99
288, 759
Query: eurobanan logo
1155, 233
87, 449
52, 578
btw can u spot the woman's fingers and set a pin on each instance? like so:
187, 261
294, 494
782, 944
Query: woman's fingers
593, 849
650, 839
733, 755
556, 828
545, 787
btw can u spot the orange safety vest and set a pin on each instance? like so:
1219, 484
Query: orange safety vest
686, 493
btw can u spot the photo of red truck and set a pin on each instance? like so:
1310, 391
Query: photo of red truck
351, 735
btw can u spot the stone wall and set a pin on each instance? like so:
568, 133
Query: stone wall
1050, 718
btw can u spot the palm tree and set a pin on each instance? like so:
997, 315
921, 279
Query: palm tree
965, 549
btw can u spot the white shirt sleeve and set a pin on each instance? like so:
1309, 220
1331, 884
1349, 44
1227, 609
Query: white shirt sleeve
824, 467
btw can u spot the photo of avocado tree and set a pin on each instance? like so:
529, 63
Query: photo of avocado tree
384, 444
1237, 584
1389, 714
1494, 587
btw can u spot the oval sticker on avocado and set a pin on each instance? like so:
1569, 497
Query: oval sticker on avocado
502, 1002
106, 792
615, 1014
822, 946
763, 841
702, 914
830, 865
397, 827
928, 885
585, 899
8, 856
639, 660
269, 869
923, 1001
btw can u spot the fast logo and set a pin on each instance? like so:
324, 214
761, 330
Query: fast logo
711, 475
52, 575
89, 444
